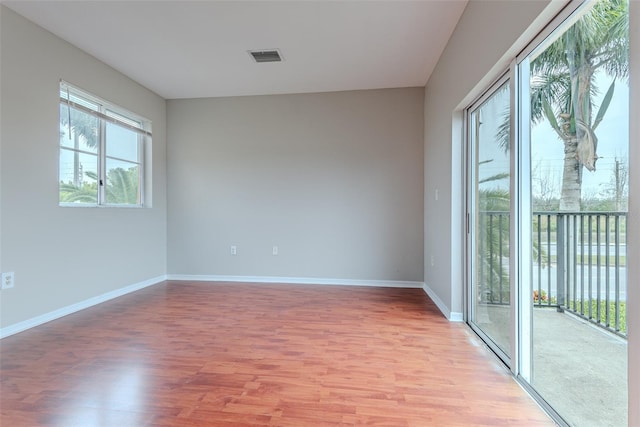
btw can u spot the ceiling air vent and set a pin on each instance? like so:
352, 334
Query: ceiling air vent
266, 55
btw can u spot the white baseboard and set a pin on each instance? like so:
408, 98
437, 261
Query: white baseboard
73, 308
456, 316
452, 316
297, 280
70, 309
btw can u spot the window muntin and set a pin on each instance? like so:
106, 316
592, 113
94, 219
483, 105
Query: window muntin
101, 151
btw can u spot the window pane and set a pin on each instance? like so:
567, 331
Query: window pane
122, 143
78, 177
82, 134
123, 183
491, 282
579, 103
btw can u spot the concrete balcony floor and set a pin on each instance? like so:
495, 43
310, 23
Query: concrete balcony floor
578, 368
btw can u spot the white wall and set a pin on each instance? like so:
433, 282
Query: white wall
62, 256
333, 179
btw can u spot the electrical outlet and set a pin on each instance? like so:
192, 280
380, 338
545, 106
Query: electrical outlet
433, 261
7, 280
275, 250
234, 250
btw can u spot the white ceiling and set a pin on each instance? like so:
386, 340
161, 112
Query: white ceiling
193, 49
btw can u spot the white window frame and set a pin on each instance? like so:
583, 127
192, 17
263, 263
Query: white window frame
105, 112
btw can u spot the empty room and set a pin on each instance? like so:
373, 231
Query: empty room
319, 213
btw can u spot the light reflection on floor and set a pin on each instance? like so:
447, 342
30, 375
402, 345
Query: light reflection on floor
110, 396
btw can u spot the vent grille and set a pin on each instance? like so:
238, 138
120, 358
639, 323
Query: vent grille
266, 55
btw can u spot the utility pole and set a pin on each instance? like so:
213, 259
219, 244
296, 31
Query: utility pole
618, 189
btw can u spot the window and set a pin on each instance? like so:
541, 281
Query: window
101, 151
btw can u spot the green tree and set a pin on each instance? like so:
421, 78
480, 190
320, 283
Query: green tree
493, 241
85, 193
81, 128
122, 188
563, 87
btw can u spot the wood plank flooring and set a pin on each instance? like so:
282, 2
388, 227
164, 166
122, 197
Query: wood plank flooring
229, 354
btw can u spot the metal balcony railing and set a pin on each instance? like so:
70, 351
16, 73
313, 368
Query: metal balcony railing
579, 263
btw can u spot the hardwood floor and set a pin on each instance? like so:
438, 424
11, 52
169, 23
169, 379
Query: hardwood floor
203, 354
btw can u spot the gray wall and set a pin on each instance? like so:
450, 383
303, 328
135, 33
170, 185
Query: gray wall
62, 256
470, 56
333, 179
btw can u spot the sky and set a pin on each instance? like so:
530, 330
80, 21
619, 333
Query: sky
613, 142
547, 150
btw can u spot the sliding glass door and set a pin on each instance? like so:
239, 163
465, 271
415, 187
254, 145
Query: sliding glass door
577, 94
489, 203
547, 191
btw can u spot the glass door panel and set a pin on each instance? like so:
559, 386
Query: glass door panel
489, 211
577, 93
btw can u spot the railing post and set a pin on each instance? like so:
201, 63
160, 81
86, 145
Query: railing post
560, 262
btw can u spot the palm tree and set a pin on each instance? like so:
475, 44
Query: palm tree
563, 87
86, 193
81, 127
493, 240
122, 188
